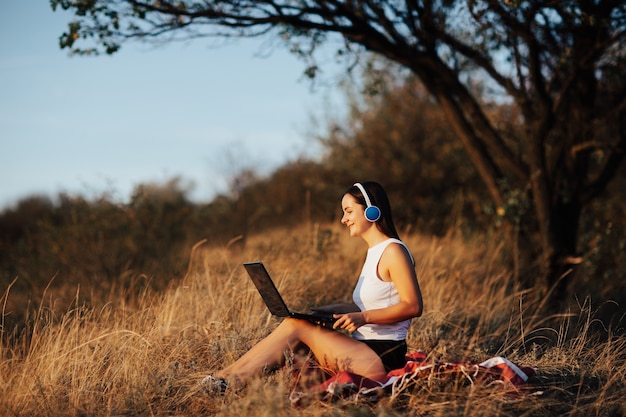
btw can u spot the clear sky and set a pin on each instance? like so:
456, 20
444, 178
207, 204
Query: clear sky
88, 125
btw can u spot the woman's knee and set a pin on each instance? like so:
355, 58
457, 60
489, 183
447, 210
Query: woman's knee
295, 324
296, 328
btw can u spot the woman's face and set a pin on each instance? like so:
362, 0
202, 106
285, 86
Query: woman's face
354, 216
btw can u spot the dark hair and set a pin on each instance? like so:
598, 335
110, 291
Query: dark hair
378, 197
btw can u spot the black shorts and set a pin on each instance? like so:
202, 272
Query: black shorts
392, 352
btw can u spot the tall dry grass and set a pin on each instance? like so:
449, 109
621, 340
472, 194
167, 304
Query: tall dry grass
143, 354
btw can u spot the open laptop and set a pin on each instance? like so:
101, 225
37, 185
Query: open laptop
273, 299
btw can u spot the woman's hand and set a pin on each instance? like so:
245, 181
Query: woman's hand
349, 322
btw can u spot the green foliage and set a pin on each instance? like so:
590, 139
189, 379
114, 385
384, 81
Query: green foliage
96, 245
397, 136
558, 65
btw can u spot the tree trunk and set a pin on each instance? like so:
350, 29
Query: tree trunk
563, 241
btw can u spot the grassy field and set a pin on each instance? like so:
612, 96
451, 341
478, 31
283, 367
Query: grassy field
142, 353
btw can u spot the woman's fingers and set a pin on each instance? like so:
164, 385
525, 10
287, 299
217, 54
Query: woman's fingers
346, 322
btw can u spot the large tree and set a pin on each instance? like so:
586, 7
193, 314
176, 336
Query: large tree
560, 64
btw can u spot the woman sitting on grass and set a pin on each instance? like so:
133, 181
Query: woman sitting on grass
387, 296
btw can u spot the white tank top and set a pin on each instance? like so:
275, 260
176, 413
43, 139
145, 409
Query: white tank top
371, 293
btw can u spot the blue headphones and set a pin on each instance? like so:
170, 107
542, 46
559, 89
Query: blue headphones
372, 213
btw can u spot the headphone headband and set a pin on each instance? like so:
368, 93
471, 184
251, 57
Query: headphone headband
365, 196
372, 213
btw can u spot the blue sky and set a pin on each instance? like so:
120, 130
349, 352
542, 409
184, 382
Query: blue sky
86, 125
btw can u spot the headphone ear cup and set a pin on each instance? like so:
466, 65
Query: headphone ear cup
372, 213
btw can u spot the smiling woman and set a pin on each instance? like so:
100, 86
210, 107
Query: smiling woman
387, 297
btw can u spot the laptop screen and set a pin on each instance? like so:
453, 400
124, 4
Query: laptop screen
267, 289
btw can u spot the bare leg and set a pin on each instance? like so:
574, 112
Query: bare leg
335, 351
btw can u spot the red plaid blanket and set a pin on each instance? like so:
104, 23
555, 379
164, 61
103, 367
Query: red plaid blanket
346, 384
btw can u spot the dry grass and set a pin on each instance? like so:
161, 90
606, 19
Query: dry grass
142, 355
